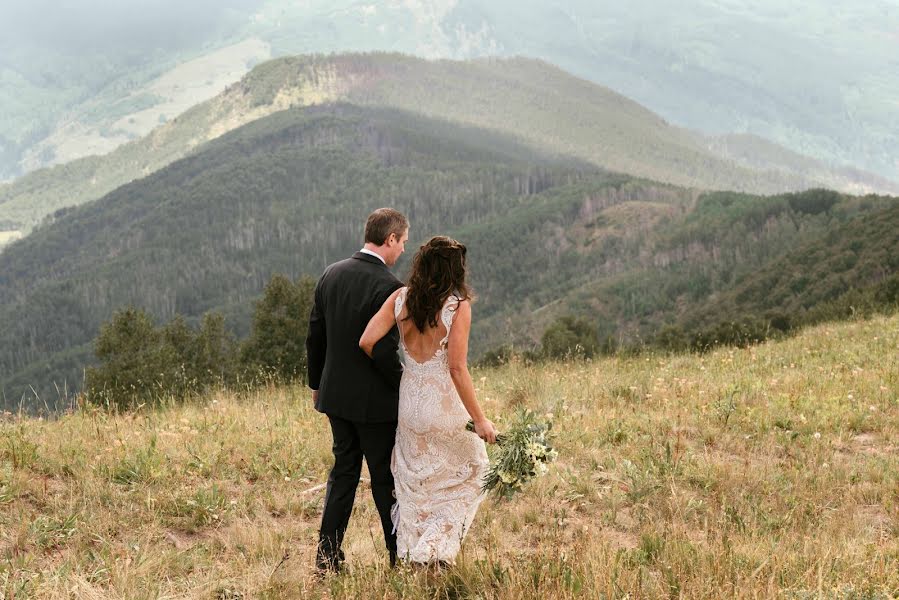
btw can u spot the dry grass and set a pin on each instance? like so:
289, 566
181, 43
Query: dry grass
768, 472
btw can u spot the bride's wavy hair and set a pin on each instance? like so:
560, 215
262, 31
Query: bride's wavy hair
438, 270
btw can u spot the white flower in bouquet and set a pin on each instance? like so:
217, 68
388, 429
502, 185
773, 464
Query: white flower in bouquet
521, 454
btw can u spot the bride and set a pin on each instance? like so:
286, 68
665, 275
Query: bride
437, 465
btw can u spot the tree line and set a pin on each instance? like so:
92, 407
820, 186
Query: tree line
142, 363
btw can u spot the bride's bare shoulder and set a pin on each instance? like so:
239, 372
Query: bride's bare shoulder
462, 310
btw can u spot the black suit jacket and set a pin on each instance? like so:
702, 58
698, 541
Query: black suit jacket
351, 385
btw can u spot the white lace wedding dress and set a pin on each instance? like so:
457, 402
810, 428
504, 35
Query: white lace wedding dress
438, 466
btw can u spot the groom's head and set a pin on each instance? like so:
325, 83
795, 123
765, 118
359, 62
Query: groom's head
386, 232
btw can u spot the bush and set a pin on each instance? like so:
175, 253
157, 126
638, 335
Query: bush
672, 338
134, 359
497, 356
731, 333
140, 363
569, 336
277, 343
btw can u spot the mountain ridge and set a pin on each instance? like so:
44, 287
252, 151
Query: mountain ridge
813, 79
541, 104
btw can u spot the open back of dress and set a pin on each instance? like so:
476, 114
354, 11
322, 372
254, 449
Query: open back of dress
423, 347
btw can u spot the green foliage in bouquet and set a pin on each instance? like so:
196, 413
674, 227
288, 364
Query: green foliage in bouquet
521, 454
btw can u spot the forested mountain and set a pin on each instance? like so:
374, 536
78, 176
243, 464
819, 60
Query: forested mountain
531, 100
637, 263
850, 267
814, 77
288, 193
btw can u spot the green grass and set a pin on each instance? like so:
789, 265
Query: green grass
765, 472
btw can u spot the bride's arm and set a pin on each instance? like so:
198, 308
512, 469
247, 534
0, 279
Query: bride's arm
379, 325
457, 356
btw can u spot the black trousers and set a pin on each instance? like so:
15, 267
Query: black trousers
352, 442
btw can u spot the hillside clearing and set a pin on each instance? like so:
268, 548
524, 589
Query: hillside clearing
768, 471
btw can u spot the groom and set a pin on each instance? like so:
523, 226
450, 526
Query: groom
359, 395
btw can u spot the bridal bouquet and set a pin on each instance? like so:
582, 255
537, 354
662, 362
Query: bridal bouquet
522, 453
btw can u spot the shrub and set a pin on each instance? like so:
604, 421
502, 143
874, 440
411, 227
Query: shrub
140, 363
280, 325
569, 336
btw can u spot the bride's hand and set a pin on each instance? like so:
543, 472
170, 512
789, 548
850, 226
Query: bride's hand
485, 430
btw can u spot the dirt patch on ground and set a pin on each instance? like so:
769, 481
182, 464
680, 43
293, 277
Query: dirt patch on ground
870, 444
182, 540
864, 440
619, 539
874, 522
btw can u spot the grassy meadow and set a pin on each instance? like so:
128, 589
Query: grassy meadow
764, 472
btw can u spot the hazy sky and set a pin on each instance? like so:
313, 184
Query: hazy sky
98, 25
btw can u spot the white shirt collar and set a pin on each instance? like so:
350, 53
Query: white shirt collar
367, 251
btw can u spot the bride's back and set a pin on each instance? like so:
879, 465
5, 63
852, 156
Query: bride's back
422, 346
425, 309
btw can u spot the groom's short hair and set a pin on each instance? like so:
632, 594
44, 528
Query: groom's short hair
382, 223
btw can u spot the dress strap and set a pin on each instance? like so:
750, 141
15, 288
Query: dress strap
397, 311
446, 315
399, 302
